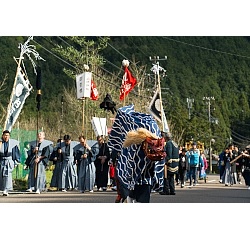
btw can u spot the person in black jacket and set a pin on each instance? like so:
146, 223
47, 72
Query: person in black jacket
246, 167
171, 163
183, 166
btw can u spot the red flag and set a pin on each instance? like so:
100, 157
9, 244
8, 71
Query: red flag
94, 93
128, 83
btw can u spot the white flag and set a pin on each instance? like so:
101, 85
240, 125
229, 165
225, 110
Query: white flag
155, 106
19, 95
165, 123
99, 126
156, 110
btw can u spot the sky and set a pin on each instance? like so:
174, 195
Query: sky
121, 224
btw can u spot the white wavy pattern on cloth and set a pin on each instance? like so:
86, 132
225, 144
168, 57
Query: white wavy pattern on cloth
133, 166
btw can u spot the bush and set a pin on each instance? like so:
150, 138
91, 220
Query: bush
22, 183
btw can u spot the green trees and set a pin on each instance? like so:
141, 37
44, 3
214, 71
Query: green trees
196, 67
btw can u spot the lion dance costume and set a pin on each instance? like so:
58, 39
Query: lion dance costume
136, 174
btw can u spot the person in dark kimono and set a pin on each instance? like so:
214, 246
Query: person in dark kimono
68, 174
246, 168
222, 165
102, 165
85, 156
37, 162
56, 158
241, 163
172, 164
9, 158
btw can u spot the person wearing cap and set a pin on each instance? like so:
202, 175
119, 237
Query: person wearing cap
193, 161
183, 166
9, 158
171, 163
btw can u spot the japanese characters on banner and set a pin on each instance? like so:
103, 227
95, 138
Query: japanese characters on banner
94, 95
128, 81
22, 87
21, 92
83, 85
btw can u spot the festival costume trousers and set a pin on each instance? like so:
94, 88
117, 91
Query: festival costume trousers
169, 186
141, 193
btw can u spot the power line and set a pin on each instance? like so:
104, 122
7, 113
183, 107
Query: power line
204, 48
98, 66
240, 136
106, 60
111, 83
117, 51
55, 55
200, 47
64, 41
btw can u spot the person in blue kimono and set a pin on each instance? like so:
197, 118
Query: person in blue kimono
85, 155
68, 170
37, 161
9, 158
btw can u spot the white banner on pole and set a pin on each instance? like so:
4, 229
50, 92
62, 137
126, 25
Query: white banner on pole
99, 126
83, 85
154, 109
165, 123
21, 92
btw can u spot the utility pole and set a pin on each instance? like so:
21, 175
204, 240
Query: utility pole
208, 102
156, 70
190, 105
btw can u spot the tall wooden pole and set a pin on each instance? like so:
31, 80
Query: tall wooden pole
83, 111
159, 88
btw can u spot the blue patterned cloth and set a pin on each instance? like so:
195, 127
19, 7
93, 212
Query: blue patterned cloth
133, 166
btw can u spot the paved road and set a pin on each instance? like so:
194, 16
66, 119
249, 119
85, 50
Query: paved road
210, 192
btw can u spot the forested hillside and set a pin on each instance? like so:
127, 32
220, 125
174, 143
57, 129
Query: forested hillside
196, 67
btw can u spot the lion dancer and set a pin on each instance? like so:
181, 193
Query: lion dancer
137, 175
121, 193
